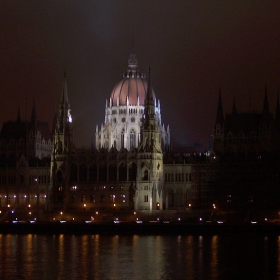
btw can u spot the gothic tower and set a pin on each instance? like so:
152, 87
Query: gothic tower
62, 146
218, 136
149, 181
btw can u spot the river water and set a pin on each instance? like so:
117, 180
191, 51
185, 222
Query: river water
229, 256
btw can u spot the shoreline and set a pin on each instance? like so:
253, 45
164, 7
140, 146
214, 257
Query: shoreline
137, 229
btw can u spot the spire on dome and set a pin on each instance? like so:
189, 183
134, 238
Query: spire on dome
132, 61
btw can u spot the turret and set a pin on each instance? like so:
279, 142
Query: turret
33, 118
218, 136
62, 147
220, 114
149, 182
265, 103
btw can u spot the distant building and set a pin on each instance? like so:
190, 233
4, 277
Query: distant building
243, 170
25, 150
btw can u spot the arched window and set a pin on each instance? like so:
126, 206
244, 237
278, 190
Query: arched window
83, 173
21, 179
145, 178
122, 172
112, 172
93, 172
132, 139
170, 195
102, 172
132, 172
73, 173
59, 176
122, 139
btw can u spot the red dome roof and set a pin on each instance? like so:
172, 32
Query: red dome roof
132, 85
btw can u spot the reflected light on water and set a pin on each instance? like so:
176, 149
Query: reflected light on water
139, 257
214, 256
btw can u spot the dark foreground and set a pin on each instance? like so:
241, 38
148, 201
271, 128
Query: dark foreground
138, 229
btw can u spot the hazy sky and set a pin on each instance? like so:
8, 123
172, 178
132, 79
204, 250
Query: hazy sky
193, 48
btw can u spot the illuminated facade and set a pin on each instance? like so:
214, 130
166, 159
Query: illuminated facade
131, 168
124, 112
125, 169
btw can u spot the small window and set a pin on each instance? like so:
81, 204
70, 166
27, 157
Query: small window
145, 177
146, 199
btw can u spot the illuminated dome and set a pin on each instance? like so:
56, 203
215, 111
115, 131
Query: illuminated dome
131, 87
124, 112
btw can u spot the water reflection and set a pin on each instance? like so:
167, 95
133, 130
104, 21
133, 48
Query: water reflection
139, 257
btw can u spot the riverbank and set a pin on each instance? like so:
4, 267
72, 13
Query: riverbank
138, 229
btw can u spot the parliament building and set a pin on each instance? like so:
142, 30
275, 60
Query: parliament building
132, 169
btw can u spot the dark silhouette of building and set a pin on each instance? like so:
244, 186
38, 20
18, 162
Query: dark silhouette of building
243, 169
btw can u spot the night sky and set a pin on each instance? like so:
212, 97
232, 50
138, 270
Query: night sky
193, 48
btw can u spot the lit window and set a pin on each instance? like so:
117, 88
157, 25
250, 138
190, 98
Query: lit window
122, 139
132, 139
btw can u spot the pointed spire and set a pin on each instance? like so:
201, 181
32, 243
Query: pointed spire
64, 98
132, 61
133, 44
149, 101
54, 120
18, 115
150, 90
220, 114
